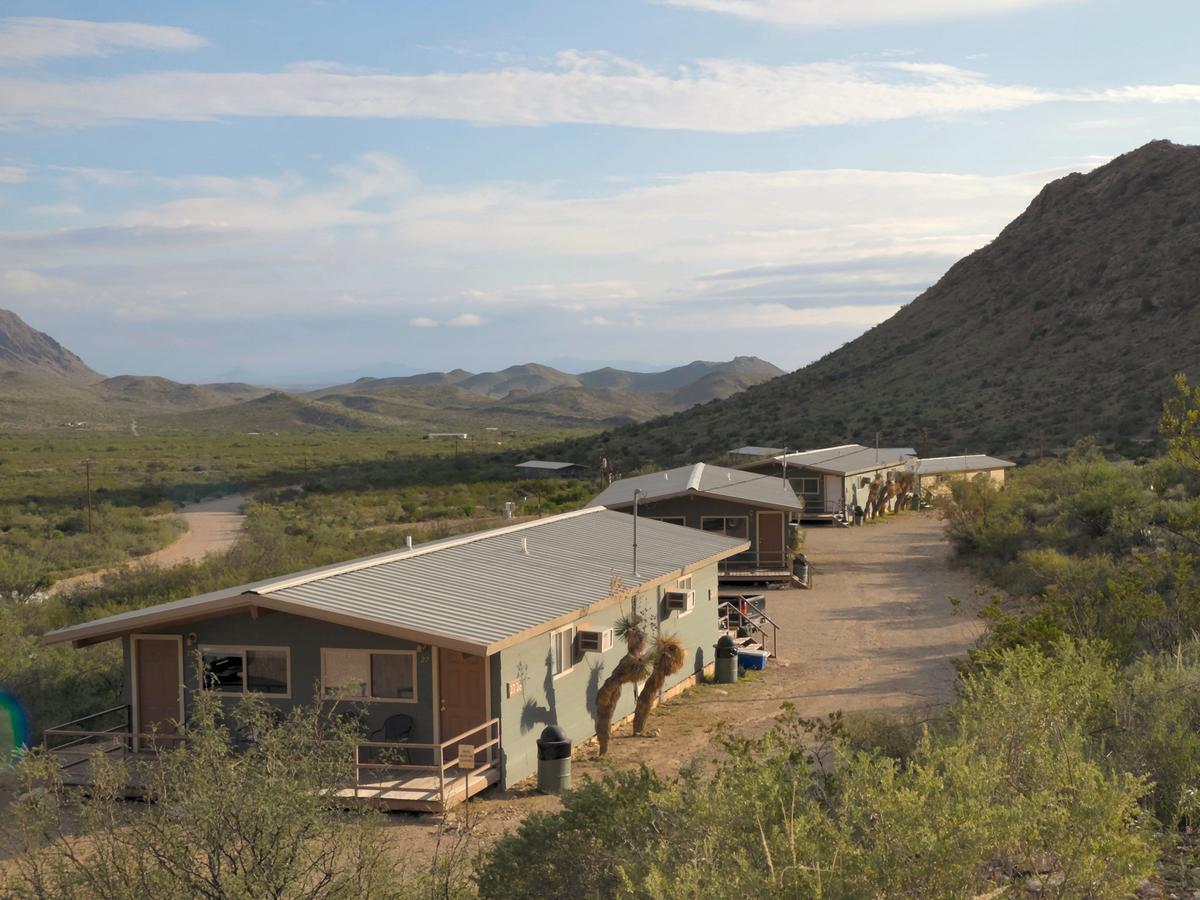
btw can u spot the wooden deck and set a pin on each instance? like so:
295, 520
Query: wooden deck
393, 785
420, 793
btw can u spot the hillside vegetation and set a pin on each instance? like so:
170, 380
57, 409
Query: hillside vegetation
1070, 323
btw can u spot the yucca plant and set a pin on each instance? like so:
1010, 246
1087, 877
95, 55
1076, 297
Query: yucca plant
667, 656
631, 669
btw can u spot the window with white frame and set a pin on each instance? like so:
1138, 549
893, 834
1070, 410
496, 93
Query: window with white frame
731, 526
384, 675
247, 670
562, 650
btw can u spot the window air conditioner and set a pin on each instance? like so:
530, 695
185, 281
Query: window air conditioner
680, 600
593, 640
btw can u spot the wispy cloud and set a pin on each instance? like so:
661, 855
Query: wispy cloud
710, 95
841, 13
227, 249
25, 40
13, 174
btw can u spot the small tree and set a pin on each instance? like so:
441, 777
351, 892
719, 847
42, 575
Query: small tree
631, 669
229, 818
667, 656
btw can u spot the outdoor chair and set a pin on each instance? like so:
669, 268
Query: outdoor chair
396, 730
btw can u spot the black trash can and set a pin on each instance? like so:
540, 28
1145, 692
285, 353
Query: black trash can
800, 569
727, 660
554, 760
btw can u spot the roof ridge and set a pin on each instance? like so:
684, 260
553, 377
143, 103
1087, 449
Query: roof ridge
694, 478
357, 565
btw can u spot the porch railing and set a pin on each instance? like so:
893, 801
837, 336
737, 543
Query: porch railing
488, 748
752, 561
754, 620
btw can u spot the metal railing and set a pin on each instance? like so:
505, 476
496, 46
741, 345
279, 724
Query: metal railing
753, 561
753, 619
489, 748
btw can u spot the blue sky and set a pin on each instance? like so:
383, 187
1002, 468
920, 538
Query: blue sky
200, 189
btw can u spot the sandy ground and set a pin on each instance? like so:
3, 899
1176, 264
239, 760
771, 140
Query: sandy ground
876, 631
212, 527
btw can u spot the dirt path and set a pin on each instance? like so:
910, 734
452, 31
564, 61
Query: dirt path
213, 526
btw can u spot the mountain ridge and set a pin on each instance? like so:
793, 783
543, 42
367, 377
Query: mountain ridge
1071, 322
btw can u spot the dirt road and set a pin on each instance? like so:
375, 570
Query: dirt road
213, 526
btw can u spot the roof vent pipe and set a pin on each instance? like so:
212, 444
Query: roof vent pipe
525, 545
408, 541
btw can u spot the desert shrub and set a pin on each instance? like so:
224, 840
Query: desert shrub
229, 818
1011, 787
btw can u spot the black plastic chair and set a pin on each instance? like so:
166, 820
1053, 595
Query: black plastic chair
396, 730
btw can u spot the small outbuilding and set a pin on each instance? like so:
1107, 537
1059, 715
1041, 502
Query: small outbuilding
834, 482
547, 468
936, 474
743, 505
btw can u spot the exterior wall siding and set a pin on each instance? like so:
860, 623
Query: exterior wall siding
306, 637
694, 508
569, 700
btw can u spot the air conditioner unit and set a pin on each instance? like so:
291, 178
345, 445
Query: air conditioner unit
680, 600
592, 640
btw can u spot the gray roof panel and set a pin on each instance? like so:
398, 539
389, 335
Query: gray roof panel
849, 459
753, 488
477, 590
977, 462
544, 464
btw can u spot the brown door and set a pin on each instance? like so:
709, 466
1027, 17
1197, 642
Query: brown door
157, 667
462, 688
770, 540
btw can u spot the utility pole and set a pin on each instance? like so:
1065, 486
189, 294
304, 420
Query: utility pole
87, 474
637, 494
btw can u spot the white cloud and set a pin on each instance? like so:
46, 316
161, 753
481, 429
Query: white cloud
793, 249
13, 174
711, 95
834, 13
29, 39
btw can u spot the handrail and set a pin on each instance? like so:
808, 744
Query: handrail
124, 707
733, 607
458, 737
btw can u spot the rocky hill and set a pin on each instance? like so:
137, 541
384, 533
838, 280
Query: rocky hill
1071, 322
31, 352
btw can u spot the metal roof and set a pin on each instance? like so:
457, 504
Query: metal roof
476, 592
544, 464
847, 459
753, 488
977, 462
756, 451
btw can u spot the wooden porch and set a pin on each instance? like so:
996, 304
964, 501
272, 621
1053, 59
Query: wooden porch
751, 567
383, 772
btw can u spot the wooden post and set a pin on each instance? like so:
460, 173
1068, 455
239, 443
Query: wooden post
441, 764
357, 760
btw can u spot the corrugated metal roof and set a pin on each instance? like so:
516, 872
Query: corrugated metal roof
977, 462
475, 590
756, 451
544, 464
714, 481
849, 459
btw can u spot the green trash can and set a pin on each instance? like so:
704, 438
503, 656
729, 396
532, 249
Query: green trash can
727, 660
554, 760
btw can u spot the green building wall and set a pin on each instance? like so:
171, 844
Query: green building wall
529, 698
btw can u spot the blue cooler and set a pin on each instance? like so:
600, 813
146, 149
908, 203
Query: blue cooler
752, 660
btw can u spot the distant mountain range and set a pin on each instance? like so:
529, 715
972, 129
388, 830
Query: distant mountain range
1072, 322
42, 384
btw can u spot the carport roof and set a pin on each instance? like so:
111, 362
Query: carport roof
977, 462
